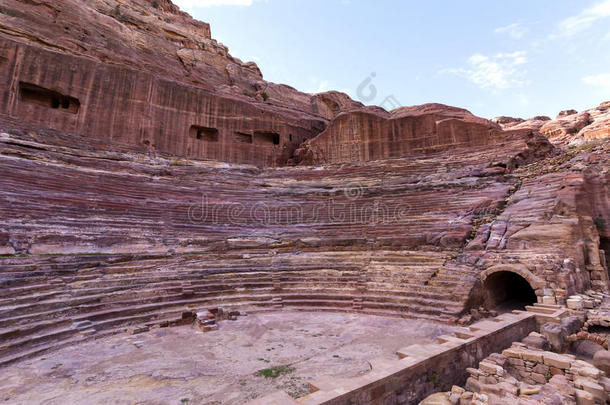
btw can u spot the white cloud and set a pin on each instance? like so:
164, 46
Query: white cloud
190, 4
497, 72
585, 19
601, 80
515, 31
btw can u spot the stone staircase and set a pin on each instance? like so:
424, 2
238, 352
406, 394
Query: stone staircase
85, 301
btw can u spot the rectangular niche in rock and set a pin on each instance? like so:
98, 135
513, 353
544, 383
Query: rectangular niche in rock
241, 137
204, 133
270, 138
31, 93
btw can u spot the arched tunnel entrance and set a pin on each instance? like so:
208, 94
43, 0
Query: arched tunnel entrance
506, 291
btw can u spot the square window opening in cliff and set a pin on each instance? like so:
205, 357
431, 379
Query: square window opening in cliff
241, 137
266, 138
33, 94
204, 133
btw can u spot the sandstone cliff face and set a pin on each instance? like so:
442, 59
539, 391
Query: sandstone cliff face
366, 135
144, 74
150, 78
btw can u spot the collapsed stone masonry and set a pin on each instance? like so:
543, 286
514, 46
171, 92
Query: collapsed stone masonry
545, 367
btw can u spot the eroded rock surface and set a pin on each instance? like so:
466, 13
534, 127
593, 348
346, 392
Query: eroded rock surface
570, 126
148, 174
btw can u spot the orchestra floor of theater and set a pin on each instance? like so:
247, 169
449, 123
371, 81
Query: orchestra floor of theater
255, 355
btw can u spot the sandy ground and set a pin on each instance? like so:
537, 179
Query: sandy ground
184, 366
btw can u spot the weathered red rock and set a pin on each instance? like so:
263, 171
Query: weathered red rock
564, 129
566, 113
534, 123
148, 77
364, 135
109, 217
507, 122
574, 128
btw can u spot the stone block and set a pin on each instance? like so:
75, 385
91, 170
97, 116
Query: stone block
530, 391
512, 353
571, 324
591, 387
601, 360
491, 368
575, 304
589, 372
539, 378
555, 371
497, 358
584, 398
549, 300
557, 360
472, 385
516, 362
541, 369
506, 387
454, 398
536, 342
530, 355
555, 334
562, 384
466, 400
457, 390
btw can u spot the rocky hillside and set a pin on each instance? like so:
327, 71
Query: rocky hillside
570, 126
146, 173
154, 36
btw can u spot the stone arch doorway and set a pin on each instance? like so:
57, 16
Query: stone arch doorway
507, 288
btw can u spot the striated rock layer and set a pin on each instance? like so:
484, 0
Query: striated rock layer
114, 239
146, 172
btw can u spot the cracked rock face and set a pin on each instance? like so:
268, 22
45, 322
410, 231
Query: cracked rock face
147, 173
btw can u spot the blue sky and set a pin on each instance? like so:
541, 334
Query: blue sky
518, 58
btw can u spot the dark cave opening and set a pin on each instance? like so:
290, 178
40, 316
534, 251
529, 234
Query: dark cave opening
506, 291
33, 94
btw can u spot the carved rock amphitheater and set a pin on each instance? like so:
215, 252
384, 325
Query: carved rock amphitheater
150, 180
